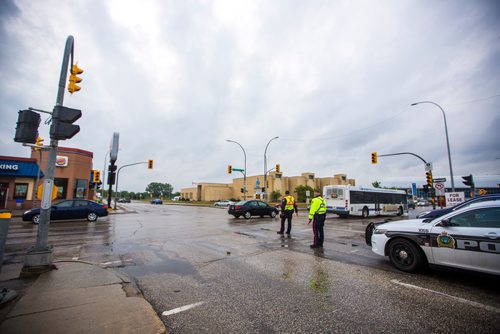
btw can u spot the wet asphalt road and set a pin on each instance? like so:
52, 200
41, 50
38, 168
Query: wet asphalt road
239, 276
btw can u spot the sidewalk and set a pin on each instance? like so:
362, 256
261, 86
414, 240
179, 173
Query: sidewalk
79, 297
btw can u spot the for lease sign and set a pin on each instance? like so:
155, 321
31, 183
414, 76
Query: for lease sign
454, 198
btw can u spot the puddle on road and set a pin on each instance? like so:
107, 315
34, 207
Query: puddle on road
136, 261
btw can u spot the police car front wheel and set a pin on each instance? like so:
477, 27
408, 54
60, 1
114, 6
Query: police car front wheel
405, 255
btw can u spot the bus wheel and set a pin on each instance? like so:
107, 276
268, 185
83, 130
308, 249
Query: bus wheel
364, 213
400, 211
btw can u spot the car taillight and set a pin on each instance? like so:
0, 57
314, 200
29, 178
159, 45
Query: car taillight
238, 207
105, 207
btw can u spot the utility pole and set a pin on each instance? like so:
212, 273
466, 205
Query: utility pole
39, 258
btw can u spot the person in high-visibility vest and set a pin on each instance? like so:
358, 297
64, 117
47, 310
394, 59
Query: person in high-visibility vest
288, 206
317, 214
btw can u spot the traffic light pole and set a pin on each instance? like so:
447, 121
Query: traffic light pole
118, 175
39, 258
425, 162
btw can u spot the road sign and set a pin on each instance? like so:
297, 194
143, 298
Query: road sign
482, 192
40, 191
428, 166
441, 179
439, 186
238, 170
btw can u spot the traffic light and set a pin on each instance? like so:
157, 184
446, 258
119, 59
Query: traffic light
73, 79
428, 178
27, 127
62, 119
97, 176
229, 169
39, 143
374, 157
468, 180
278, 168
150, 164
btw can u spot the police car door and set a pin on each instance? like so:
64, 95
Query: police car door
469, 239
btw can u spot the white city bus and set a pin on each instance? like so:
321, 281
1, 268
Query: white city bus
361, 201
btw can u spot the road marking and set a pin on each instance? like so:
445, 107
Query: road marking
182, 308
462, 300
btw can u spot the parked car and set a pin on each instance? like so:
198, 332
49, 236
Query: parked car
124, 200
223, 203
156, 201
440, 212
466, 238
70, 210
251, 208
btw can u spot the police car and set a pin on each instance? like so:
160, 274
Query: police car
468, 238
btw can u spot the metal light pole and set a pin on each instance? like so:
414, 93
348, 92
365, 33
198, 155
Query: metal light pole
265, 168
104, 175
39, 257
118, 175
447, 140
245, 169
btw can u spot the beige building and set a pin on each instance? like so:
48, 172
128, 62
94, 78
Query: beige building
275, 182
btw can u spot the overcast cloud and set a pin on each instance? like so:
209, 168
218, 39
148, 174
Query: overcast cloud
333, 79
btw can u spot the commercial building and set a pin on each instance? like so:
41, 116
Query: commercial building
276, 182
19, 177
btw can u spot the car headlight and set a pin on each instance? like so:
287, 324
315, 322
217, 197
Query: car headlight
421, 214
379, 231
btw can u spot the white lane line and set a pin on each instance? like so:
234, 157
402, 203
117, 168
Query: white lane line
182, 308
462, 300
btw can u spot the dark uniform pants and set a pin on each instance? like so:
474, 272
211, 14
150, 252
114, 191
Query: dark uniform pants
287, 215
318, 224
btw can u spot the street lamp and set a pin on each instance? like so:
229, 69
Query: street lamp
244, 170
447, 140
265, 167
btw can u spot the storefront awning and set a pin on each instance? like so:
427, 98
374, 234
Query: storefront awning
19, 168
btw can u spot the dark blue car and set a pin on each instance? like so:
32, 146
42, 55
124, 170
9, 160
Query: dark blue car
70, 210
440, 212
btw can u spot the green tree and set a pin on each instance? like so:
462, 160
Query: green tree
157, 189
275, 194
376, 184
301, 192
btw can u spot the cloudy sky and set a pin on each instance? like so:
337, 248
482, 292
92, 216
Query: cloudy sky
333, 79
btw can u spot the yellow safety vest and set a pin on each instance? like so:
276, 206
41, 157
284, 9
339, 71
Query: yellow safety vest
318, 206
290, 201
